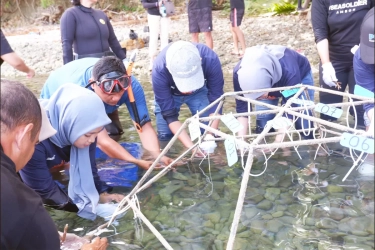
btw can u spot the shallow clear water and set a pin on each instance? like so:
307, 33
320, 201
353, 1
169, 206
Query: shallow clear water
290, 206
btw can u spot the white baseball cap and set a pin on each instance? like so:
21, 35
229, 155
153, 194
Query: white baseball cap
46, 130
184, 62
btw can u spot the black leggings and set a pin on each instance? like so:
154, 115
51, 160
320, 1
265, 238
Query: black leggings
114, 129
347, 79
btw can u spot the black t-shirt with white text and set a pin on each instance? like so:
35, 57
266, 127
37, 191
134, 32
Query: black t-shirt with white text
339, 21
5, 47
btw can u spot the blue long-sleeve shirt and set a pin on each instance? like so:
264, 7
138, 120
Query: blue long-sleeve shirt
89, 31
294, 68
164, 86
364, 75
36, 174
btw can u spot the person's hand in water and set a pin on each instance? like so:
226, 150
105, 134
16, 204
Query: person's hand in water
106, 197
166, 160
147, 164
74, 242
96, 244
198, 153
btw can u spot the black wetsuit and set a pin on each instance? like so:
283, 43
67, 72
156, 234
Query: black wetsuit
5, 47
89, 31
152, 7
339, 22
25, 223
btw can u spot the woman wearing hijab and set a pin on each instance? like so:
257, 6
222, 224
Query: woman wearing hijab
270, 66
77, 124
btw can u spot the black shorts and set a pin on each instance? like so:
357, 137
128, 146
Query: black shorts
200, 20
236, 16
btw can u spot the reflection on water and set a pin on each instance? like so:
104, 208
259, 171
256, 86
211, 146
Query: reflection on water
296, 204
293, 205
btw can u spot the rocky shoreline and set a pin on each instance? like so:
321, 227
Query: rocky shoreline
41, 48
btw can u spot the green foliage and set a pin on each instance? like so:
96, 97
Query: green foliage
46, 3
256, 7
128, 8
283, 7
226, 6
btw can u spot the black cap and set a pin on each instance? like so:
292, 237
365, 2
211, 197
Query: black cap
367, 38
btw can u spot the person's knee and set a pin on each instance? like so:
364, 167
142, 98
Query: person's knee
164, 136
261, 124
208, 34
114, 130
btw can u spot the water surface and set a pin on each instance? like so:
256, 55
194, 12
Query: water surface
295, 204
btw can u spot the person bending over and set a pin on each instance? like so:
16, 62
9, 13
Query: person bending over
77, 127
108, 79
25, 224
364, 70
189, 73
271, 66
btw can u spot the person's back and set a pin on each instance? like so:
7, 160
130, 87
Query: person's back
25, 224
77, 72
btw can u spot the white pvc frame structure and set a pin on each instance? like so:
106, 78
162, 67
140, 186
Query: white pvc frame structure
332, 136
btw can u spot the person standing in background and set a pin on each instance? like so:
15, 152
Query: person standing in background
200, 20
157, 24
336, 26
89, 32
9, 56
237, 11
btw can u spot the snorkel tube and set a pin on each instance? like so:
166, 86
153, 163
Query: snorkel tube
131, 94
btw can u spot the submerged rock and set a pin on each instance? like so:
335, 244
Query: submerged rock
334, 189
272, 194
326, 223
265, 205
171, 187
213, 217
274, 225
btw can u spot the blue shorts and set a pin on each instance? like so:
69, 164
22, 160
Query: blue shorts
196, 102
366, 119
